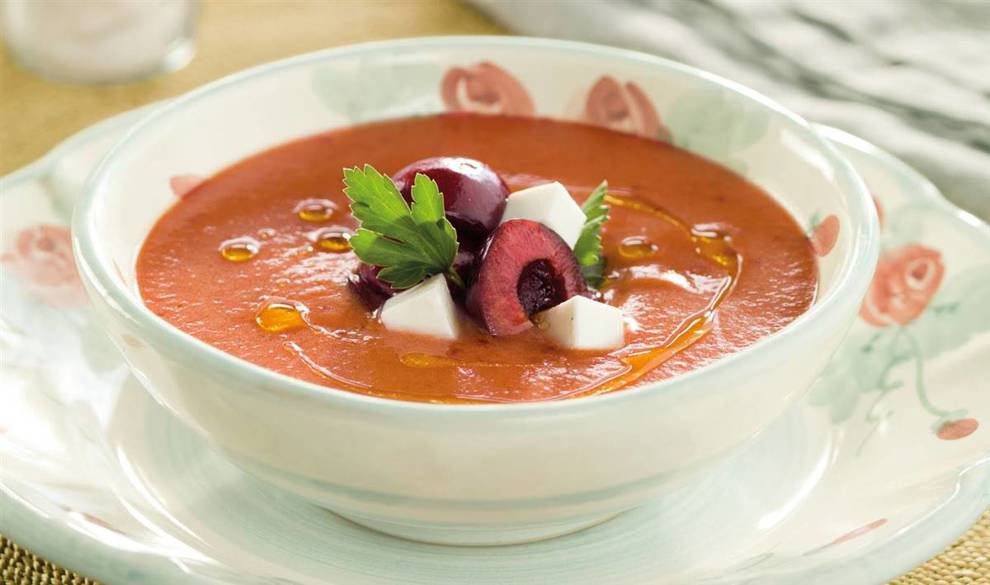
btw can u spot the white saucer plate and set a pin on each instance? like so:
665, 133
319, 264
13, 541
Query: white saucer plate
886, 461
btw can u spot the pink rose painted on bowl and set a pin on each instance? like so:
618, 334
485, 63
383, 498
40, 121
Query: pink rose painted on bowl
485, 88
825, 235
904, 283
622, 107
181, 185
42, 256
957, 429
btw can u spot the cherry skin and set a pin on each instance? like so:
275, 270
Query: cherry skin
525, 268
473, 194
374, 291
474, 199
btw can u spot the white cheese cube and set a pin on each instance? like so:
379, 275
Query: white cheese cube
425, 308
549, 204
581, 323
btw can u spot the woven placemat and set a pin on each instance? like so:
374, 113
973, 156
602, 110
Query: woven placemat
967, 562
20, 567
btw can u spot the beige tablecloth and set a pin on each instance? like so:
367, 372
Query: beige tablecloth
234, 34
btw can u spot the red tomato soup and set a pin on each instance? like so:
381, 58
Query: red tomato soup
255, 261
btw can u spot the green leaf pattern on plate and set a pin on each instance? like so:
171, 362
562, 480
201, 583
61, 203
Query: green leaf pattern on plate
877, 360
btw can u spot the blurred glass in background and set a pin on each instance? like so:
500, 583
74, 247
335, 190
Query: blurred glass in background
99, 41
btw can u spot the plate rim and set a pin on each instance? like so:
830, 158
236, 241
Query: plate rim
901, 552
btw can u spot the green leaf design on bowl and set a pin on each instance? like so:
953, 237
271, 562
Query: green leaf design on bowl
717, 125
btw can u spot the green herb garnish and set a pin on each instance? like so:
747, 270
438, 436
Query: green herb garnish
588, 248
410, 243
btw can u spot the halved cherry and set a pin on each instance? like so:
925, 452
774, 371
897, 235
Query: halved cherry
525, 268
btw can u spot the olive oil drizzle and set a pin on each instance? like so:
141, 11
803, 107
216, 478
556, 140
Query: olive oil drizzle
711, 244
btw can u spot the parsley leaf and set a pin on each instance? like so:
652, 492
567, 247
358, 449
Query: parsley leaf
408, 242
588, 249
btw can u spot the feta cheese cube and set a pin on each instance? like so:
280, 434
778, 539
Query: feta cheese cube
549, 204
425, 308
581, 323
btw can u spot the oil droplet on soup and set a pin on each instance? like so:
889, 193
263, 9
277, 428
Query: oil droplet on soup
315, 210
276, 316
240, 249
635, 247
266, 233
718, 250
337, 240
424, 360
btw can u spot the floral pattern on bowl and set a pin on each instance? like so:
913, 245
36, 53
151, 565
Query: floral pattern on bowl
182, 185
701, 121
485, 88
623, 107
824, 234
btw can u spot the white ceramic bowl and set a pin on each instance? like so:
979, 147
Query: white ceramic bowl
472, 474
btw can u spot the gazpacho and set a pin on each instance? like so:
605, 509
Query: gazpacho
505, 259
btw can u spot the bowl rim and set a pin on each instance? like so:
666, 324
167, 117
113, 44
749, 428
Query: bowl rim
854, 277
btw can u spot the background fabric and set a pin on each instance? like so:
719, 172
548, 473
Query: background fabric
912, 76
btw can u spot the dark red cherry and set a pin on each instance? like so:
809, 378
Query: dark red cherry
473, 194
525, 268
374, 291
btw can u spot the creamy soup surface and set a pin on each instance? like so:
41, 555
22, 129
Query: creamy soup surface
255, 261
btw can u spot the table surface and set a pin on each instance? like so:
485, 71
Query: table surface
233, 34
